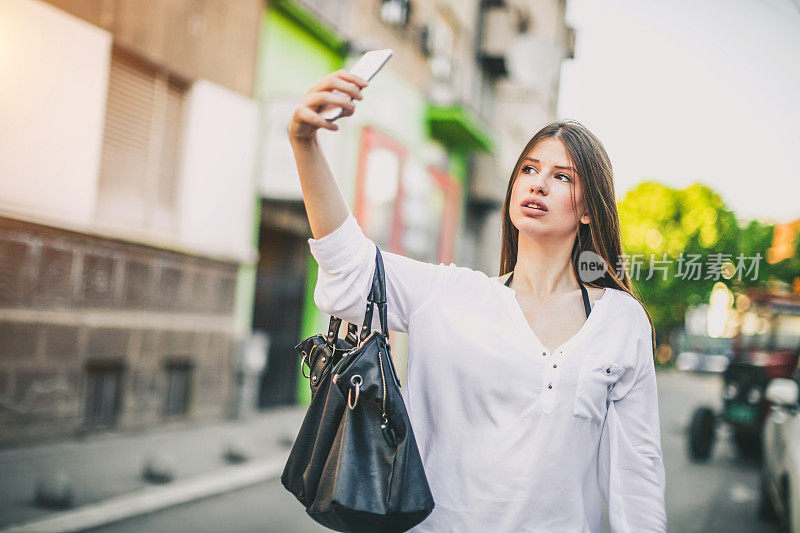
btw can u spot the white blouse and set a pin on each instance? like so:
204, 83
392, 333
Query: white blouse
513, 437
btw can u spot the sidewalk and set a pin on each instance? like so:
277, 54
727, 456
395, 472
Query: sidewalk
106, 469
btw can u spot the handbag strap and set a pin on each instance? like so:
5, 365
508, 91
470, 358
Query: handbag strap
333, 332
586, 305
377, 295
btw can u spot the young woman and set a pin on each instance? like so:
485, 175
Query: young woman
532, 396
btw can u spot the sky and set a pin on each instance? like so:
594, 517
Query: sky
680, 91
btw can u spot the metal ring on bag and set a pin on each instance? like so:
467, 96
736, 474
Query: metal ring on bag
302, 362
357, 384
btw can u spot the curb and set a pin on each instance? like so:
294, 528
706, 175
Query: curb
157, 498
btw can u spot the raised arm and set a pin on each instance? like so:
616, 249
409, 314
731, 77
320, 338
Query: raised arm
325, 205
346, 257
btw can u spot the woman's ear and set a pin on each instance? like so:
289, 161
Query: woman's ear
586, 219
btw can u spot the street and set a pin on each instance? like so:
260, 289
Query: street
263, 508
718, 496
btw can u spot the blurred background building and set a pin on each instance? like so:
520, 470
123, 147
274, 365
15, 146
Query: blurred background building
153, 256
126, 201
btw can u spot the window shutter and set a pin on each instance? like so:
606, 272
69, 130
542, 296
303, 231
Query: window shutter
141, 145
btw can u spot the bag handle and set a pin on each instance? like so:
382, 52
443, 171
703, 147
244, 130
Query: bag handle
333, 332
377, 295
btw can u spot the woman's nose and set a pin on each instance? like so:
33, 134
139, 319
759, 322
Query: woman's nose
538, 183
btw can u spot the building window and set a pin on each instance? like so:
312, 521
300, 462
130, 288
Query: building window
395, 12
446, 201
178, 387
102, 393
405, 207
141, 145
379, 188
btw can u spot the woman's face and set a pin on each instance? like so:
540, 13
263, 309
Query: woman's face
546, 175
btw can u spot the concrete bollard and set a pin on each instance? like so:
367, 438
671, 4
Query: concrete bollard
237, 452
158, 467
55, 490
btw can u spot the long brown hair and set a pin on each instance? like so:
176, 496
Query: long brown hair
601, 235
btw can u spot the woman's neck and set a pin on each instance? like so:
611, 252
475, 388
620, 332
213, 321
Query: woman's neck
544, 268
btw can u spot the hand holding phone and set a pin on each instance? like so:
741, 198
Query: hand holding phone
366, 68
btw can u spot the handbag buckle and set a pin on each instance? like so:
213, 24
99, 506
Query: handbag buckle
303, 362
356, 381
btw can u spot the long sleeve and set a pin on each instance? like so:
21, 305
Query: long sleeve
631, 466
346, 259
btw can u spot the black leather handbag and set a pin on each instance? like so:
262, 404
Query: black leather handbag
355, 464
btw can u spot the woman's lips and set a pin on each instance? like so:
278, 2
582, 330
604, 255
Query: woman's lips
530, 211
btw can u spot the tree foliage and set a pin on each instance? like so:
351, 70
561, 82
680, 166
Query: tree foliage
663, 229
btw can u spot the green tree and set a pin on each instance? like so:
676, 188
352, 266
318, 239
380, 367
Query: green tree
663, 230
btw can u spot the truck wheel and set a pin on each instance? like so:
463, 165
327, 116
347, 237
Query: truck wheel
766, 510
748, 444
701, 434
785, 521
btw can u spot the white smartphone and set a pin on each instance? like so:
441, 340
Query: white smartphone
366, 67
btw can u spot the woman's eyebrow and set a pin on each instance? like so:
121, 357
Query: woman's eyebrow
537, 161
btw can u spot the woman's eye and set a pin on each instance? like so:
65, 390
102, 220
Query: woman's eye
526, 168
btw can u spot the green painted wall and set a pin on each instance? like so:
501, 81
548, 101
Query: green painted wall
290, 59
459, 161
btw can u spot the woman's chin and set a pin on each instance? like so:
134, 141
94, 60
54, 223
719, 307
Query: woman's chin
525, 221
539, 228
534, 229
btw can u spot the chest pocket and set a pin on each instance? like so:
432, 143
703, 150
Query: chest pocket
596, 378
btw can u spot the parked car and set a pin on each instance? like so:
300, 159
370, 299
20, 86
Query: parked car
692, 361
766, 347
779, 499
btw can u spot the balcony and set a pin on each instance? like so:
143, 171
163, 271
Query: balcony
498, 29
322, 18
455, 127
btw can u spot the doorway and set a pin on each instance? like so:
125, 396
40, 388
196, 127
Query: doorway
278, 309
